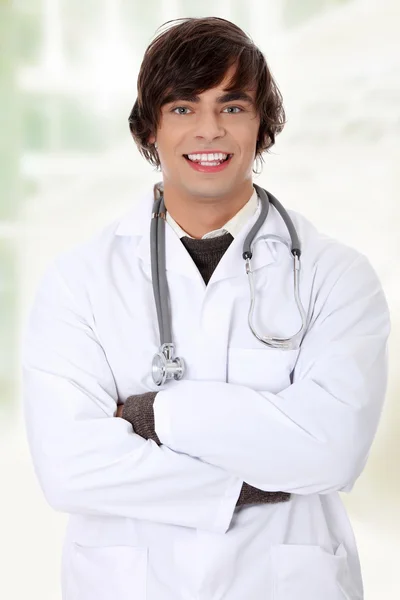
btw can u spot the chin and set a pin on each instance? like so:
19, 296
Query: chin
211, 190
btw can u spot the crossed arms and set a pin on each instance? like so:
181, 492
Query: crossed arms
313, 437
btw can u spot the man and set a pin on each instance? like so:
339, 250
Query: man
225, 483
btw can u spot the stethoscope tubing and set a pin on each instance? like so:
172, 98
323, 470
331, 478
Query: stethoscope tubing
158, 270
174, 367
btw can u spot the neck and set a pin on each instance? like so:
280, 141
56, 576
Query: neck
198, 215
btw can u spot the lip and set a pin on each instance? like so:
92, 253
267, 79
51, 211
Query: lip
204, 169
207, 152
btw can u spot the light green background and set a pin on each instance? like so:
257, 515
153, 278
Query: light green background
68, 166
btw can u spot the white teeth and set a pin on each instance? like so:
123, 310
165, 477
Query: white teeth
207, 157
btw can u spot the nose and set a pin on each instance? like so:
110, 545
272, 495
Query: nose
209, 125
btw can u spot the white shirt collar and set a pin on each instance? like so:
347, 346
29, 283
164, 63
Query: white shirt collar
233, 226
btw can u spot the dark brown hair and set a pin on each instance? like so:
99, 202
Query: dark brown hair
193, 56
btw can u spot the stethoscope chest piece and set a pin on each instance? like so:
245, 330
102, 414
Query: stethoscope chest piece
165, 366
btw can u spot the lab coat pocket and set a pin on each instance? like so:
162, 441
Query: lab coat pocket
262, 369
104, 572
311, 573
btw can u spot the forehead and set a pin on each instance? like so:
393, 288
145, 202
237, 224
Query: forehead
219, 93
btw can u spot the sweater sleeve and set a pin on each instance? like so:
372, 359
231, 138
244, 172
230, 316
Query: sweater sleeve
138, 410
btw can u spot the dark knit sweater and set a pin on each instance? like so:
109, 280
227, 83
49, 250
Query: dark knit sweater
138, 409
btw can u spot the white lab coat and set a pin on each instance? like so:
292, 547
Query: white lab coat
151, 522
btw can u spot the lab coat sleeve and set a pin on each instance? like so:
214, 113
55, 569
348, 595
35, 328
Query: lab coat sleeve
315, 435
86, 459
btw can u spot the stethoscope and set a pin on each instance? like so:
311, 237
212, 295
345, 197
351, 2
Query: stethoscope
165, 365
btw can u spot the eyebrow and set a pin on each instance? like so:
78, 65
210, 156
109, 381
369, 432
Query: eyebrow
228, 97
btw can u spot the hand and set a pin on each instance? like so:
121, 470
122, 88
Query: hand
119, 410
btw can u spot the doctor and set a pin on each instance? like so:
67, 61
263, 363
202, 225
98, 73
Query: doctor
223, 484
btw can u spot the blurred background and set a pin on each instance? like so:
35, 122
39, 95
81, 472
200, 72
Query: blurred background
68, 166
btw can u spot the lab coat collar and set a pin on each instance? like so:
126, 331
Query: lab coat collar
137, 223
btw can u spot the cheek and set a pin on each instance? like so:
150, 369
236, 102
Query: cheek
246, 137
168, 144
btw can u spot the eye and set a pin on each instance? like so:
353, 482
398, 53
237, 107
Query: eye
238, 107
178, 107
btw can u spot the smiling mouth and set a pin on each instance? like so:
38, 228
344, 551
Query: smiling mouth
199, 162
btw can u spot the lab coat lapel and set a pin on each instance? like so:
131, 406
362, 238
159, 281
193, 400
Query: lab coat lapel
137, 223
232, 263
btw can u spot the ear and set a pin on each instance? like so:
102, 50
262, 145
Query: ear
152, 139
